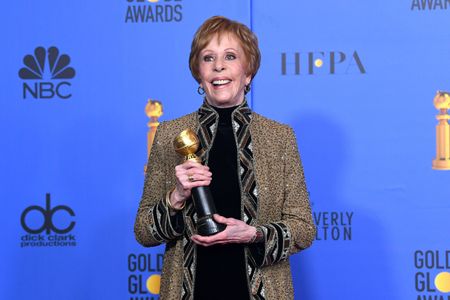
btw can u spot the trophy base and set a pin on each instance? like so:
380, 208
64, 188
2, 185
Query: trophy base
207, 226
439, 164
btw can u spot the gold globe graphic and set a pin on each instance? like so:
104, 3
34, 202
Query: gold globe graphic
154, 284
318, 62
442, 282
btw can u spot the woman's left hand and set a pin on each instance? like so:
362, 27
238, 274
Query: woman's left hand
237, 231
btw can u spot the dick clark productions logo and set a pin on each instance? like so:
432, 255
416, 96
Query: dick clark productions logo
46, 74
36, 220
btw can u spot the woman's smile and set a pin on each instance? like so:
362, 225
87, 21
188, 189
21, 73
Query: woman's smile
223, 71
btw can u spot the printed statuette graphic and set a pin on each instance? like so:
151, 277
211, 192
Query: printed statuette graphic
153, 110
442, 103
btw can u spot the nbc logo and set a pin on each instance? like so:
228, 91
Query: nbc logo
40, 68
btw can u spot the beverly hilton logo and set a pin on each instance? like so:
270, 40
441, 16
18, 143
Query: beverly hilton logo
46, 73
333, 225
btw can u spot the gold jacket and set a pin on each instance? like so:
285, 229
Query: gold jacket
273, 198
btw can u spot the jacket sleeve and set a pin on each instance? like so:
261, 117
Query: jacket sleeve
153, 224
296, 230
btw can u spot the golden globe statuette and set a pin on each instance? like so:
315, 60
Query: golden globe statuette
442, 103
187, 144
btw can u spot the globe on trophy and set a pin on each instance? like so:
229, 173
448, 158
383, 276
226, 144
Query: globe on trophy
442, 103
187, 144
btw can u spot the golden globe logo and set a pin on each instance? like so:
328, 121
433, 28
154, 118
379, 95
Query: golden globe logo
144, 279
432, 277
154, 11
430, 4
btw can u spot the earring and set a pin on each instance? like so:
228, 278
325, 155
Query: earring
247, 88
200, 90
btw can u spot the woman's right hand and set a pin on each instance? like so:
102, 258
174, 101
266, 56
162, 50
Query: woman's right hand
189, 175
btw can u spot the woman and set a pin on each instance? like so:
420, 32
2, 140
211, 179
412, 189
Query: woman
253, 169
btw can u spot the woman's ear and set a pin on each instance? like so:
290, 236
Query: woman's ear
248, 79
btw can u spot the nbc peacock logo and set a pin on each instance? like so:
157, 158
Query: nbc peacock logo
46, 74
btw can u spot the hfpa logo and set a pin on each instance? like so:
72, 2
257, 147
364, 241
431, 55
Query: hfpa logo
321, 62
46, 72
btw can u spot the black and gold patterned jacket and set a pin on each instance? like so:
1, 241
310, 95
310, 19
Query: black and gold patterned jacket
274, 197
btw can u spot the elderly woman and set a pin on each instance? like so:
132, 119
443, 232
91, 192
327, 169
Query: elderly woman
253, 170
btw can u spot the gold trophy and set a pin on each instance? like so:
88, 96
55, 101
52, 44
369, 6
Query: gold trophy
442, 103
187, 145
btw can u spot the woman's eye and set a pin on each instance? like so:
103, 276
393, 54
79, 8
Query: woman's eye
230, 57
208, 58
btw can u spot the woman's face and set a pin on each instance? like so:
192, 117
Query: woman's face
223, 71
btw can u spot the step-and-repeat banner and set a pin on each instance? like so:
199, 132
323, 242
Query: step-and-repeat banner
357, 81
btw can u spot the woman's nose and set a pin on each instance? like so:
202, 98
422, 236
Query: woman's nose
219, 65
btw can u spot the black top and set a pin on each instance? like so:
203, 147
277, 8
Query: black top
220, 272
